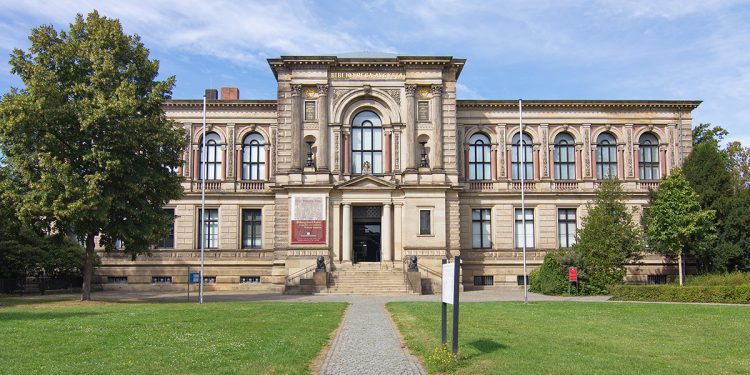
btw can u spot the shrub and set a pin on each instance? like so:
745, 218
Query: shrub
552, 277
674, 293
734, 278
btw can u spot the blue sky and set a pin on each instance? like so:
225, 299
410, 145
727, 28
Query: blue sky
661, 49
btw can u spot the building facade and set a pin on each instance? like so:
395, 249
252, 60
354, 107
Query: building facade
370, 160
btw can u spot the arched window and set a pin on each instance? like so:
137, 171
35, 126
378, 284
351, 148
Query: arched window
253, 157
479, 157
367, 142
528, 158
606, 156
648, 157
212, 157
565, 157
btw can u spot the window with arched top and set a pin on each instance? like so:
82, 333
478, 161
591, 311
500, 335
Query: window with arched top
367, 142
648, 157
565, 157
253, 157
479, 157
517, 166
212, 157
606, 156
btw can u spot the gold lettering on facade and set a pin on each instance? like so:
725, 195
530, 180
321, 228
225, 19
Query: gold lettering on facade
367, 75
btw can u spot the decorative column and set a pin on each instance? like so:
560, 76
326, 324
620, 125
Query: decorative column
501, 151
238, 158
386, 237
323, 154
437, 122
536, 163
268, 161
296, 128
552, 162
179, 166
387, 153
509, 163
466, 164
663, 161
586, 153
636, 163
493, 163
336, 234
397, 236
621, 163
593, 161
410, 135
579, 168
544, 152
230, 159
196, 163
346, 231
347, 154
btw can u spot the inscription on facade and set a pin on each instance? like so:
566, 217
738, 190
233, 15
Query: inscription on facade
367, 75
423, 110
310, 114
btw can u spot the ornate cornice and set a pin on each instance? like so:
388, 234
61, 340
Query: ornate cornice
674, 104
197, 103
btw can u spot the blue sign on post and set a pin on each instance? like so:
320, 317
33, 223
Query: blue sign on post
195, 277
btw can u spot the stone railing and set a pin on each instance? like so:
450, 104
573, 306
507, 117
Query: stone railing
251, 185
480, 185
527, 185
212, 185
648, 185
564, 185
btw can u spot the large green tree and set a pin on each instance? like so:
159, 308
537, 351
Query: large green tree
739, 164
86, 138
675, 221
608, 239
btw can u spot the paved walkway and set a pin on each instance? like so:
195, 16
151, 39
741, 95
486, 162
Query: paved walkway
367, 343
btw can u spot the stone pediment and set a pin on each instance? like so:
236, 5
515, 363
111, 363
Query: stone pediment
368, 182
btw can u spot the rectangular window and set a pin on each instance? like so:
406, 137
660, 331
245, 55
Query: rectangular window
484, 280
520, 280
656, 279
249, 279
161, 279
168, 241
423, 110
527, 219
251, 228
425, 227
117, 279
210, 228
310, 110
566, 226
209, 279
480, 228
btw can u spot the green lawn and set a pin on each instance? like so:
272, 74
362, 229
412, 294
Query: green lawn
169, 338
583, 338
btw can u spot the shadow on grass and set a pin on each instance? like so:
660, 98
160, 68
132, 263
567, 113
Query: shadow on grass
484, 346
29, 315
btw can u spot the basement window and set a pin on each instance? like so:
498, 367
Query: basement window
484, 280
656, 279
209, 279
161, 279
519, 280
117, 279
249, 279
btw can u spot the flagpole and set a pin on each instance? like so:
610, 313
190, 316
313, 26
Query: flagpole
522, 172
203, 197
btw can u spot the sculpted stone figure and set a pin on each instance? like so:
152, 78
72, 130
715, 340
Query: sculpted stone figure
412, 264
321, 264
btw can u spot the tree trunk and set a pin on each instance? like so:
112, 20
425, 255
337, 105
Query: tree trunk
680, 270
88, 268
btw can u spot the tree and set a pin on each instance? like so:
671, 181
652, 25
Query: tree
739, 164
675, 221
608, 239
90, 147
706, 133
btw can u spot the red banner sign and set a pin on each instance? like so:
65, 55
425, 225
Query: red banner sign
309, 232
573, 274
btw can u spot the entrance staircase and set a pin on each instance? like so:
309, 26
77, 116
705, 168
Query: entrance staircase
367, 278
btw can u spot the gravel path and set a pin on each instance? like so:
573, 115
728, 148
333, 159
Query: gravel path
367, 343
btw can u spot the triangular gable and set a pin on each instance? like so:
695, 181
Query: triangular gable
366, 182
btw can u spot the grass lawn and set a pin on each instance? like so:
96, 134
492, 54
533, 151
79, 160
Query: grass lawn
583, 338
171, 338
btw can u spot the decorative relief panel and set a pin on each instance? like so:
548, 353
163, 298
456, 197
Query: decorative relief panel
274, 148
423, 92
395, 94
338, 93
629, 150
501, 148
309, 92
336, 149
187, 159
545, 153
586, 151
397, 150
230, 157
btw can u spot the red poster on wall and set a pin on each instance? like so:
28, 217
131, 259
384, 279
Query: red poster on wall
309, 231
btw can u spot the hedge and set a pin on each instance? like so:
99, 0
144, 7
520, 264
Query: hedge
674, 293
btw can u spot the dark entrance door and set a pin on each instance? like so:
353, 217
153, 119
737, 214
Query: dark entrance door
366, 236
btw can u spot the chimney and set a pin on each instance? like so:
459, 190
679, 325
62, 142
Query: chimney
212, 94
230, 93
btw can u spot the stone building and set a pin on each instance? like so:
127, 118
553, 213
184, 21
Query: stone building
367, 160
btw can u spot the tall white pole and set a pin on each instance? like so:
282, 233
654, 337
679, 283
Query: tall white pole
202, 219
522, 172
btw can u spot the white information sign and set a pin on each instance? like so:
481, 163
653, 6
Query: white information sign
448, 271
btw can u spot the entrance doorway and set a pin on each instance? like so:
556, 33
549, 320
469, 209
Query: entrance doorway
366, 236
